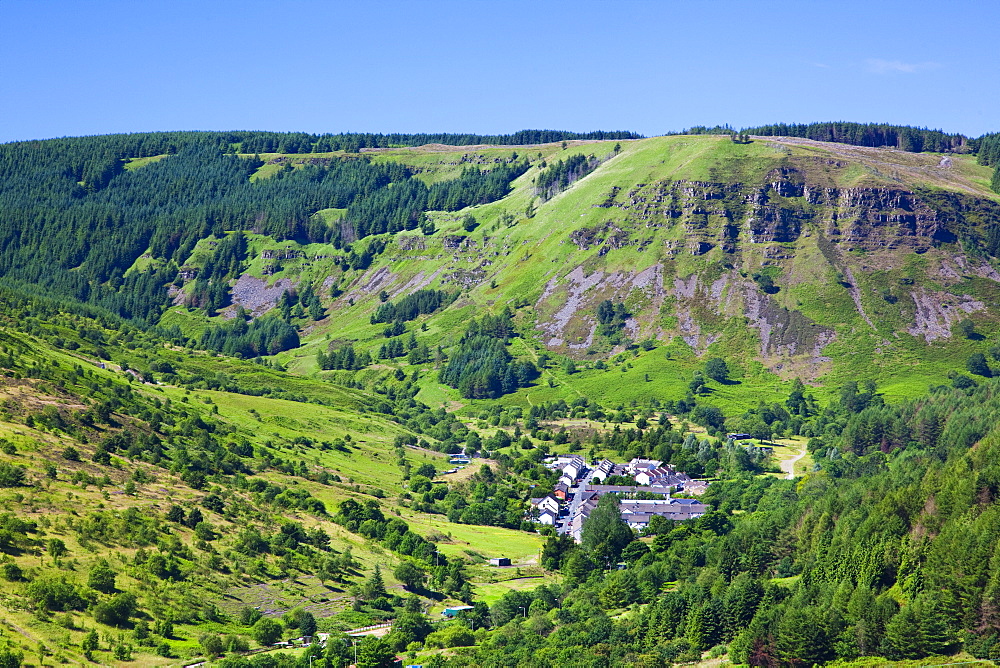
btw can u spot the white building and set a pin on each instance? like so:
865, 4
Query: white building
637, 465
603, 469
547, 502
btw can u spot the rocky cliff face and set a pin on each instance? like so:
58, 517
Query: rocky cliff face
741, 228
782, 208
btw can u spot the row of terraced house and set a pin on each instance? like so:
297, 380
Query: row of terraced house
575, 495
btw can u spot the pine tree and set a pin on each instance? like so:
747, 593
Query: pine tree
374, 586
903, 635
802, 639
604, 533
936, 636
702, 629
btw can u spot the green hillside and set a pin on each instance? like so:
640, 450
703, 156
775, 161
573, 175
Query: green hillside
233, 366
664, 228
202, 504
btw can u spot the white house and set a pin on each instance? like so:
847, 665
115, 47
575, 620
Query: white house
637, 465
603, 470
547, 502
574, 469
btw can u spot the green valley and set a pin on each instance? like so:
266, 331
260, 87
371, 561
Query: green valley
259, 390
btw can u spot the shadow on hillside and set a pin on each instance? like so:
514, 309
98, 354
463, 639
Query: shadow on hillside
426, 593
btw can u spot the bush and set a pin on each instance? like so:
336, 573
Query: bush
102, 578
237, 644
11, 475
211, 644
266, 631
117, 611
451, 636
249, 616
12, 572
204, 531
10, 658
54, 593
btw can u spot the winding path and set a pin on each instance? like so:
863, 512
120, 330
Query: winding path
788, 466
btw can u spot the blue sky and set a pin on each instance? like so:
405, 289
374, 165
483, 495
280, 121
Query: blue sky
73, 67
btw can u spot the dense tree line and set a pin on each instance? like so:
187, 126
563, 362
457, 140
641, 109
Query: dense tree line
78, 238
73, 220
146, 144
211, 288
263, 336
481, 366
611, 317
402, 207
556, 178
368, 520
488, 499
342, 358
987, 150
903, 137
274, 142
412, 305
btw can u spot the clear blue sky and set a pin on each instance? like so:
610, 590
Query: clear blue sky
73, 67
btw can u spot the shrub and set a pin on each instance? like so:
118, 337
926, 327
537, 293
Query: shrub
117, 611
451, 636
54, 593
266, 631
102, 578
11, 475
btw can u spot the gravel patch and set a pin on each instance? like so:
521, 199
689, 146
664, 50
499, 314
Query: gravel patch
256, 296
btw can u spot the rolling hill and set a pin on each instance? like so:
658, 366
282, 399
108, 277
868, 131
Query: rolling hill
232, 366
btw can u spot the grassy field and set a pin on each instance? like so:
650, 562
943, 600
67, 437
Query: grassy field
490, 542
490, 593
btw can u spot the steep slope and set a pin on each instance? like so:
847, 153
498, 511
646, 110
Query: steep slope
809, 258
155, 506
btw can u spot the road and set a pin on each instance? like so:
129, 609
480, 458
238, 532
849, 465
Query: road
788, 466
575, 502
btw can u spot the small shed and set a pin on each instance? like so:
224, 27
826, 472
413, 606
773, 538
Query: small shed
500, 561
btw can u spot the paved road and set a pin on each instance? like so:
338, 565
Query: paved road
575, 501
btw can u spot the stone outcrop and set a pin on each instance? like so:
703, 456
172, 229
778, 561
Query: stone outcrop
785, 206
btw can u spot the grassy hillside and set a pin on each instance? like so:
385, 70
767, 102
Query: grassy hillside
664, 227
100, 470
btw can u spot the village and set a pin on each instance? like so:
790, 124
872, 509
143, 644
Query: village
579, 487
